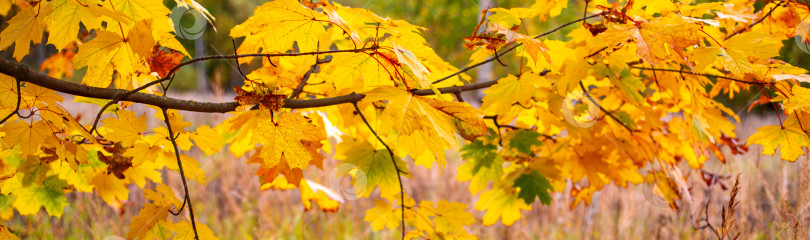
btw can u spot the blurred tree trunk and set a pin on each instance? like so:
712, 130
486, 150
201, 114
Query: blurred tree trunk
202, 77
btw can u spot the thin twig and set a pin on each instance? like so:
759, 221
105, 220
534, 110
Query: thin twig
391, 153
699, 74
757, 22
182, 173
587, 94
306, 77
510, 49
238, 66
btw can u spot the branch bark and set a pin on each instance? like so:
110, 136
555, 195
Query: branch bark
22, 73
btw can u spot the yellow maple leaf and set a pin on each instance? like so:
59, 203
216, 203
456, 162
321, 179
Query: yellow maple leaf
24, 28
737, 52
790, 139
501, 203
110, 51
184, 231
654, 40
28, 136
452, 216
406, 113
139, 173
284, 136
326, 199
511, 90
207, 140
142, 152
138, 10
162, 200
111, 189
127, 128
190, 166
67, 15
276, 25
383, 215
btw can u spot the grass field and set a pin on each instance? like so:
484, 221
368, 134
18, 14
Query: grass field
774, 203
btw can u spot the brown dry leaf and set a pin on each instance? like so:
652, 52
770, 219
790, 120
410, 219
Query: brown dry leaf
162, 61
248, 99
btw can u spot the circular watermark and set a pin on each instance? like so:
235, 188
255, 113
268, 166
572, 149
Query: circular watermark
348, 180
189, 23
801, 35
573, 112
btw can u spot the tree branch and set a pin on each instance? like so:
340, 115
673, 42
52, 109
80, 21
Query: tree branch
24, 74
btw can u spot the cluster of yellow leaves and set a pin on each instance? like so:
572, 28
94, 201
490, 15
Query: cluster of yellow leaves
627, 116
441, 220
126, 32
633, 89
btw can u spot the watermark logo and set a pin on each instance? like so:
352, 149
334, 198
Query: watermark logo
348, 180
801, 36
189, 23
579, 110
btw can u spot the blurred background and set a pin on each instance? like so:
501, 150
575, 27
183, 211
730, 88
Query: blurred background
774, 198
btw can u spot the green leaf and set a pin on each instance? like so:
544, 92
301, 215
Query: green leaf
34, 171
481, 165
630, 85
534, 185
524, 140
626, 119
482, 155
29, 199
374, 163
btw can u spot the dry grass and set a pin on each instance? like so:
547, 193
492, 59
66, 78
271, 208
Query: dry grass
772, 203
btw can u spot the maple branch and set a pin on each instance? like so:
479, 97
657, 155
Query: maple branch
22, 73
587, 94
757, 22
393, 160
512, 48
170, 75
186, 199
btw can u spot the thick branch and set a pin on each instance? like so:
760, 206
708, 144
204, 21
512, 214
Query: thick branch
24, 74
